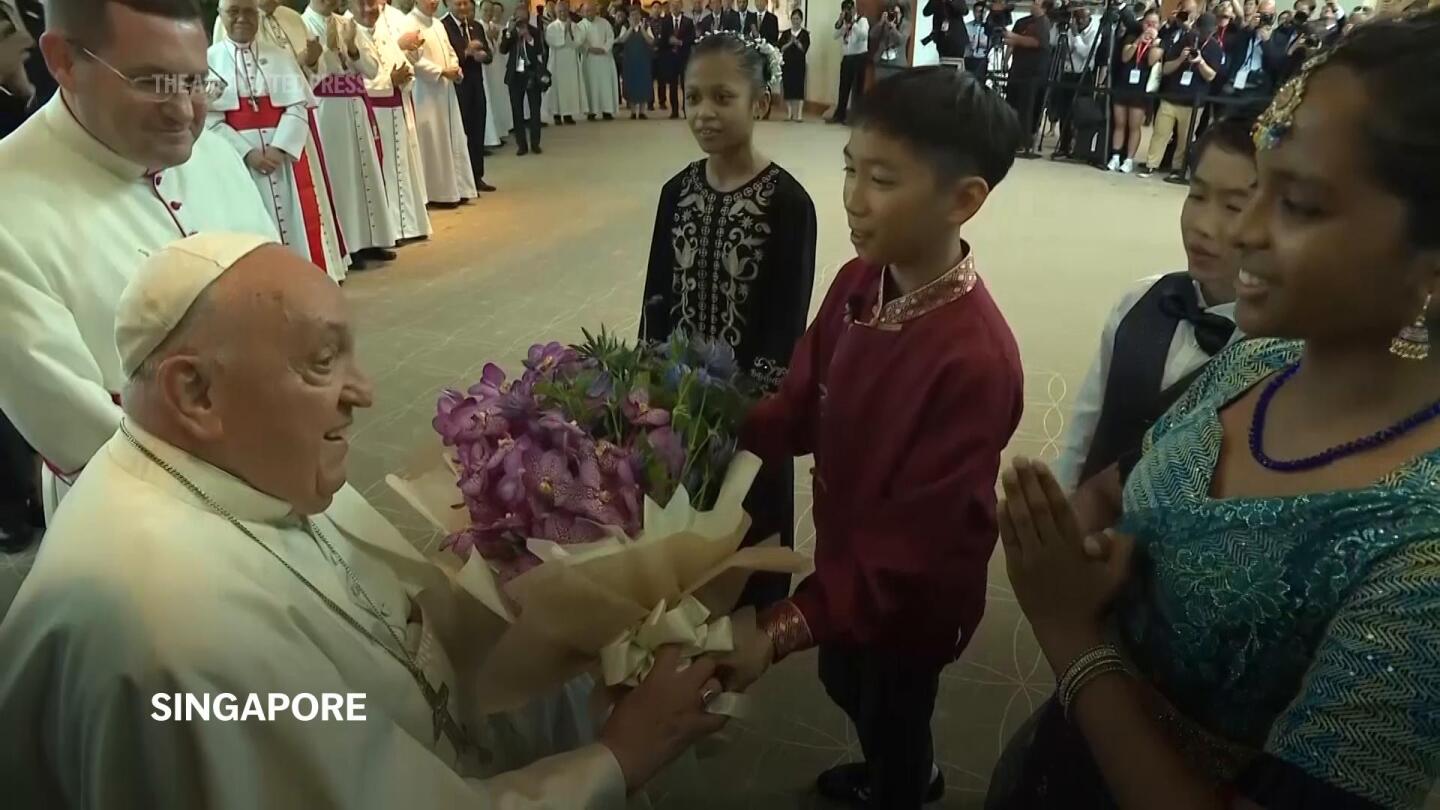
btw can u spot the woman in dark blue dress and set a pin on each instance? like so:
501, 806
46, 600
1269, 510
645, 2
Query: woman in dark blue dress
638, 45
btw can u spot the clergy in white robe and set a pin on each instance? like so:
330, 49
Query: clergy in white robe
391, 100
284, 28
350, 132
247, 567
497, 92
449, 177
602, 83
81, 206
563, 38
265, 114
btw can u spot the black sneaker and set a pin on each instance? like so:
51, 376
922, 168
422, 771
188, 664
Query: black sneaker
522, 151
1145, 171
537, 150
848, 784
1177, 178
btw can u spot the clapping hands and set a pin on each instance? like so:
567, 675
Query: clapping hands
1063, 579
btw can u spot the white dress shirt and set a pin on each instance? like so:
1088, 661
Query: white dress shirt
1185, 356
857, 42
1081, 44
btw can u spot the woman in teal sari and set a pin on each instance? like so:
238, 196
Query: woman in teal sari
1259, 623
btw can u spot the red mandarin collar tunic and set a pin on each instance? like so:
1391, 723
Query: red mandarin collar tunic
906, 405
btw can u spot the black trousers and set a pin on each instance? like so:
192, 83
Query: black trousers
890, 700
527, 128
471, 94
978, 66
1025, 96
852, 84
670, 74
1062, 106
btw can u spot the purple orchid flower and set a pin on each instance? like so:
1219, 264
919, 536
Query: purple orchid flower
492, 383
551, 358
637, 409
668, 448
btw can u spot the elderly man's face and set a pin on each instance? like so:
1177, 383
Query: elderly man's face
157, 131
241, 19
366, 12
285, 383
464, 9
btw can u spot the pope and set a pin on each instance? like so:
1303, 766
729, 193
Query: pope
213, 547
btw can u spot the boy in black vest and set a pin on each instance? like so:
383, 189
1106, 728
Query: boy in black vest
1163, 332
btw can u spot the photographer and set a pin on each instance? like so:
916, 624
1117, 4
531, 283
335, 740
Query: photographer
1083, 31
1251, 68
1128, 92
1029, 42
1189, 68
853, 33
949, 32
986, 24
1180, 24
893, 35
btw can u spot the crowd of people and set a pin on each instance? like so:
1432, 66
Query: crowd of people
1234, 573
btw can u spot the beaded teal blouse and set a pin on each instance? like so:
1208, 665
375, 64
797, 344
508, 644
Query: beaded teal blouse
1306, 628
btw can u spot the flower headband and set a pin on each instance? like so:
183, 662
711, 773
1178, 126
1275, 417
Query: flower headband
1279, 118
774, 63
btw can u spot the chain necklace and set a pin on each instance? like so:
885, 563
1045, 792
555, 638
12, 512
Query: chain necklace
437, 698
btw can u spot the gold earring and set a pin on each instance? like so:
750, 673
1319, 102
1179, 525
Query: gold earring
1413, 342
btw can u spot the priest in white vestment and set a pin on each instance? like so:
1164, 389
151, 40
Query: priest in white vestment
265, 113
212, 548
284, 28
394, 108
602, 83
449, 178
91, 183
350, 133
498, 92
563, 38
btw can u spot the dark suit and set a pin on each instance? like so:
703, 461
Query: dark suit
731, 21
749, 21
770, 27
471, 89
670, 60
525, 85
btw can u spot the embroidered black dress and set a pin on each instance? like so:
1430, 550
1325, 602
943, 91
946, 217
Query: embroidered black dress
738, 267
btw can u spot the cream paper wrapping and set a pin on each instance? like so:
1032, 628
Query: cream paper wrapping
608, 604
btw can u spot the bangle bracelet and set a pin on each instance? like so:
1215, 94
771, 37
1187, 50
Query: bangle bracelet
1085, 667
1104, 667
787, 629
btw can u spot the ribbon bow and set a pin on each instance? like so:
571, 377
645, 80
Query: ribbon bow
628, 659
1212, 332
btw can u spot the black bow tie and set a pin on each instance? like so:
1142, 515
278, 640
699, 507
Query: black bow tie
1212, 331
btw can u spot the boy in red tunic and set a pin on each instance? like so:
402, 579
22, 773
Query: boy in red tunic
906, 388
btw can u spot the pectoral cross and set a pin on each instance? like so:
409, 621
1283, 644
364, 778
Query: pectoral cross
443, 722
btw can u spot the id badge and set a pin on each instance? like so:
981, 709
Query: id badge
1186, 78
945, 27
520, 65
1135, 76
1242, 79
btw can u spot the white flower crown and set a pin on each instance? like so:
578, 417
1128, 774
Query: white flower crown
774, 63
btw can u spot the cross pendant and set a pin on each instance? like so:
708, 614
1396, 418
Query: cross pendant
443, 723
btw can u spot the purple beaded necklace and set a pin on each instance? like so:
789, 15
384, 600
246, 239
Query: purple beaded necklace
1334, 454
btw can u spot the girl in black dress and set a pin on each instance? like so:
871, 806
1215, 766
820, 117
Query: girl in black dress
1137, 56
733, 253
794, 47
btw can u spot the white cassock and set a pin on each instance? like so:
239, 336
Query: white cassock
568, 86
602, 84
78, 221
547, 99
497, 93
175, 599
267, 102
350, 135
399, 145
284, 28
449, 177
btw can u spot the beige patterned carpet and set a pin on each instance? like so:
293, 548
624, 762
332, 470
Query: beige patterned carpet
563, 246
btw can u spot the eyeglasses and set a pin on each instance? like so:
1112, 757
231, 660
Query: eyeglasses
161, 87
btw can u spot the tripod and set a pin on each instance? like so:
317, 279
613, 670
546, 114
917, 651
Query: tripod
1092, 76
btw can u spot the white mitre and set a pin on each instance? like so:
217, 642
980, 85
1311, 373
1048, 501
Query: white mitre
166, 286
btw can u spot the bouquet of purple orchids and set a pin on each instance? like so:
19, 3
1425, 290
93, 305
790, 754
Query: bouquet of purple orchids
570, 449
